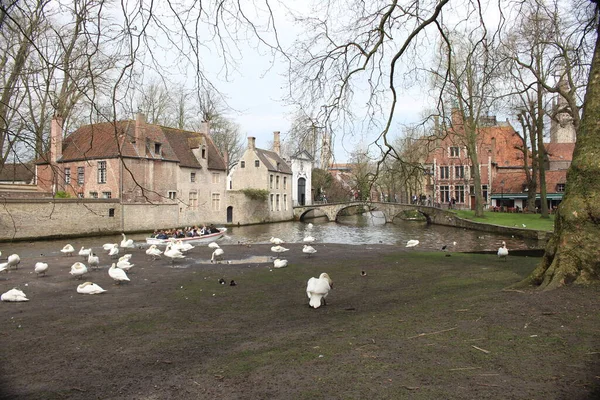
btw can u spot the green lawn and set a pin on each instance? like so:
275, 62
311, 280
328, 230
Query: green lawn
531, 221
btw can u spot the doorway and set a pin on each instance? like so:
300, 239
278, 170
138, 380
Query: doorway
301, 191
229, 214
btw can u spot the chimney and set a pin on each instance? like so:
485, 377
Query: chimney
251, 143
226, 161
205, 126
276, 143
139, 137
56, 139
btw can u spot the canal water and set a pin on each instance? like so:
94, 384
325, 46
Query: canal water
355, 230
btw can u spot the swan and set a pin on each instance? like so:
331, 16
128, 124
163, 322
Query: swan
412, 243
183, 247
89, 288
14, 295
309, 226
108, 246
125, 265
117, 273
114, 252
214, 245
68, 250
173, 253
125, 257
317, 289
13, 261
84, 252
3, 267
217, 255
503, 251
153, 251
78, 269
309, 239
275, 240
126, 243
308, 250
41, 268
280, 263
93, 260
278, 249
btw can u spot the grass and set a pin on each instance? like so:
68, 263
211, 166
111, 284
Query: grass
531, 221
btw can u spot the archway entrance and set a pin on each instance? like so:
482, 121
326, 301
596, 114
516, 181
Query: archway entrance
301, 191
229, 214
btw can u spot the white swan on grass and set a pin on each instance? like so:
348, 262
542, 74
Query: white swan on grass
67, 250
85, 252
277, 263
117, 274
78, 269
13, 261
275, 240
126, 243
278, 249
214, 245
317, 290
217, 255
309, 239
89, 288
503, 251
412, 243
41, 268
308, 250
14, 295
154, 252
93, 260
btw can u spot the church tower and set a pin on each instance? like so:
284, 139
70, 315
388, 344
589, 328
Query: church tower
562, 129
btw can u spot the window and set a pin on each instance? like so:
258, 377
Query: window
272, 201
284, 183
277, 182
106, 195
560, 187
278, 166
80, 176
454, 151
67, 175
111, 212
484, 190
242, 164
93, 195
193, 200
216, 201
285, 201
270, 181
444, 194
192, 177
459, 171
256, 163
445, 172
459, 193
172, 194
101, 171
216, 178
203, 152
277, 202
157, 149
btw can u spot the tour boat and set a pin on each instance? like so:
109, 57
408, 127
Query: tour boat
203, 239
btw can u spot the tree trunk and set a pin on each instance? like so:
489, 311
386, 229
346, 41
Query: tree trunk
572, 255
541, 153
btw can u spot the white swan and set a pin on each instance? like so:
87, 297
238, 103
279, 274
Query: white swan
503, 251
173, 253
278, 249
280, 263
13, 261
309, 226
214, 245
114, 252
217, 255
41, 268
183, 247
93, 260
78, 269
108, 246
3, 267
309, 239
125, 265
153, 251
317, 289
89, 288
308, 250
14, 295
125, 257
68, 250
412, 243
126, 243
117, 274
84, 252
275, 240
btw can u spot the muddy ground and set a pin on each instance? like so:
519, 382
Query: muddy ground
419, 325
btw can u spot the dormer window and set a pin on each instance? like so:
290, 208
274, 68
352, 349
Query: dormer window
157, 148
203, 152
278, 166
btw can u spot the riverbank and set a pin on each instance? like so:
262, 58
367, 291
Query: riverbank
419, 325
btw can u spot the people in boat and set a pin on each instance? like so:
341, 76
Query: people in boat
213, 229
162, 235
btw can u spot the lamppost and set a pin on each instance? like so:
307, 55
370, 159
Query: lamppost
501, 194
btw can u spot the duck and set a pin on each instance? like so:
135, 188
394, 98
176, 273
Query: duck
117, 274
232, 283
217, 255
278, 249
78, 269
125, 265
13, 261
173, 253
41, 268
114, 252
14, 295
126, 243
214, 245
153, 251
93, 260
317, 290
277, 263
221, 281
275, 240
89, 288
68, 250
309, 239
503, 251
309, 250
412, 243
85, 252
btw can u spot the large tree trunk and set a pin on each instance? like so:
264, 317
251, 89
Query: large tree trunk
573, 254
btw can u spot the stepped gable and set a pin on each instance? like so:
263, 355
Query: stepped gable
183, 142
270, 159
